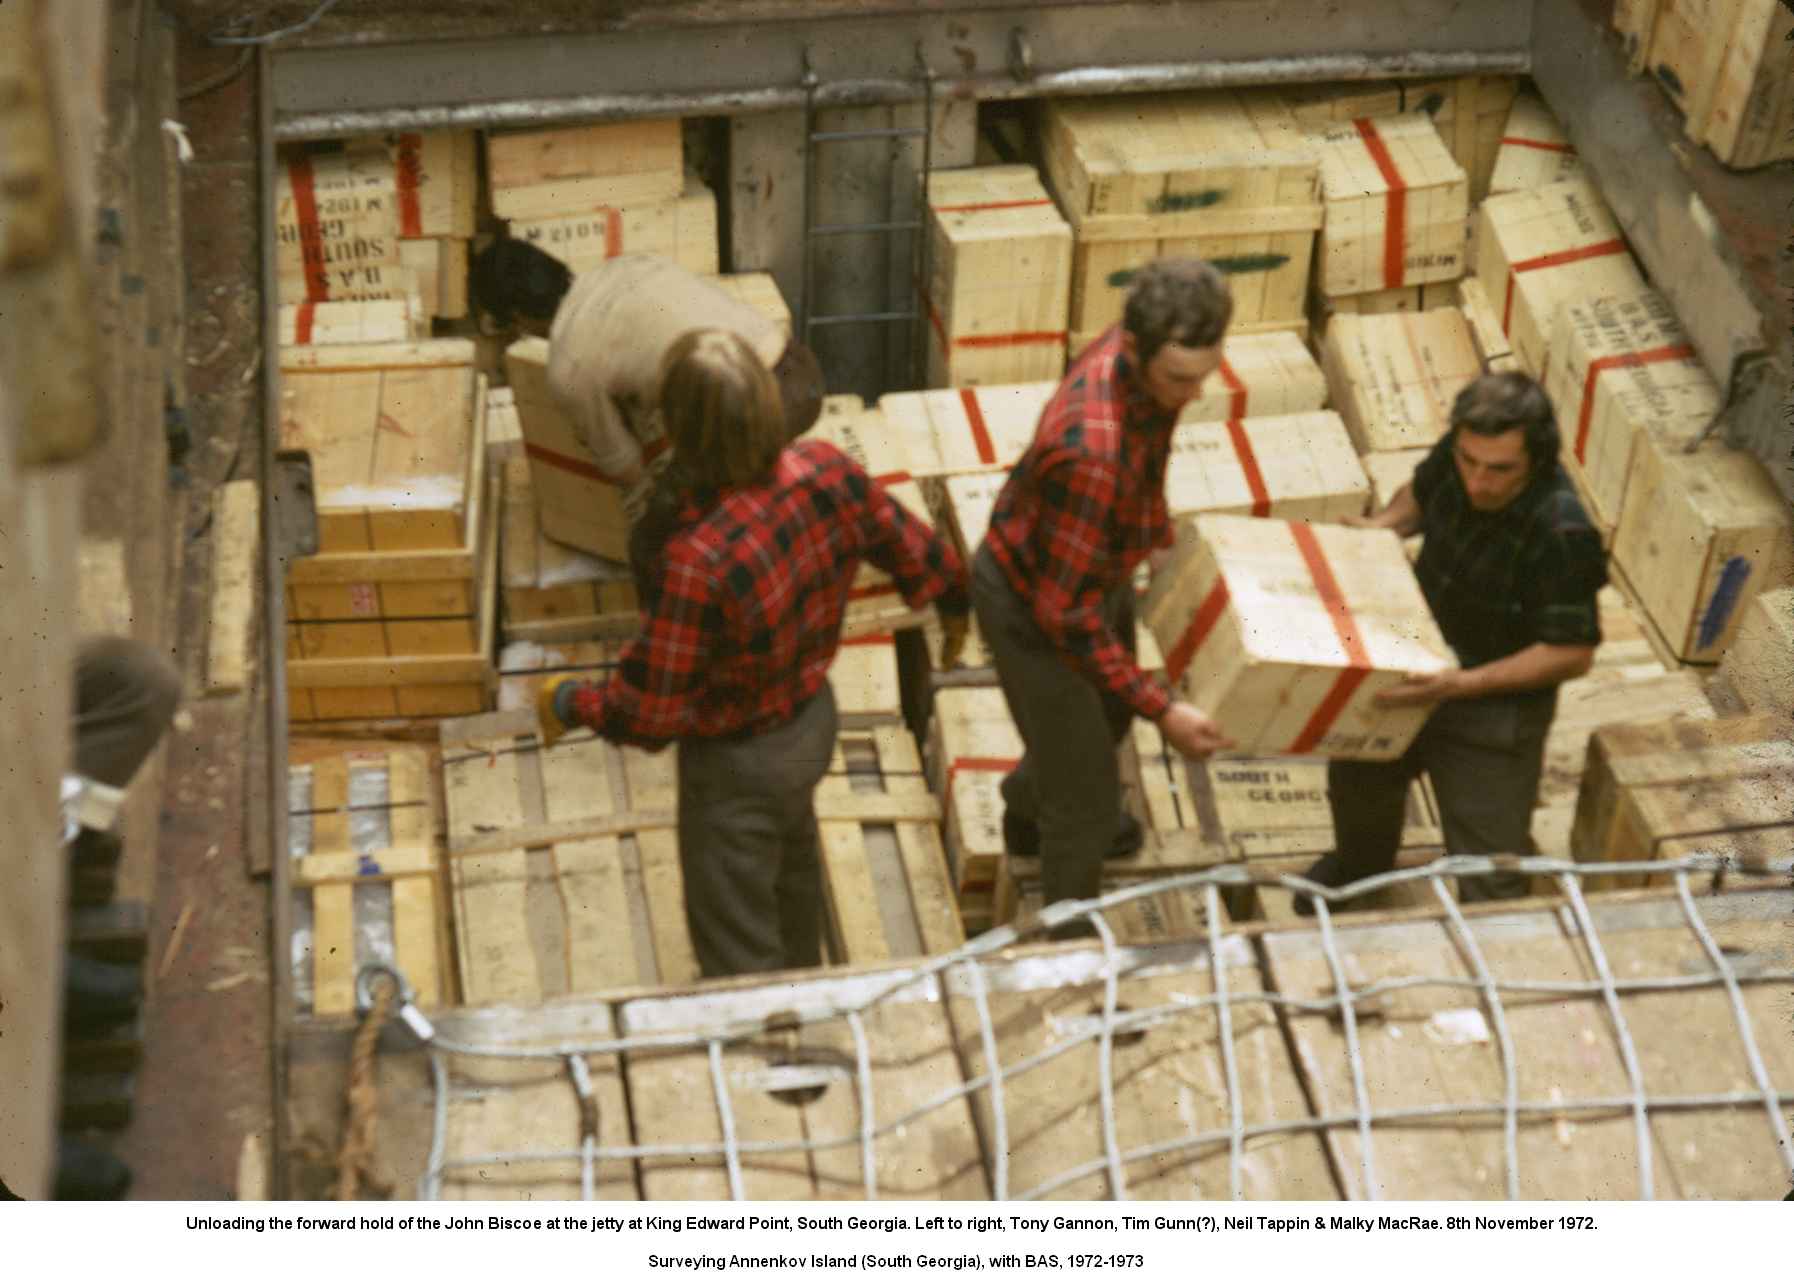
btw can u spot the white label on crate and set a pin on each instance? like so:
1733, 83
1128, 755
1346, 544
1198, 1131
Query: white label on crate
1457, 1027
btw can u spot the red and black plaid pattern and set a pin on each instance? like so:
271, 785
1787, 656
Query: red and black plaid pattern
1082, 509
753, 583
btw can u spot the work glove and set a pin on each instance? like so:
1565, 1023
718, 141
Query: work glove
554, 707
953, 639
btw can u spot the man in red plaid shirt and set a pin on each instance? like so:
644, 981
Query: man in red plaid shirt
1052, 582
734, 655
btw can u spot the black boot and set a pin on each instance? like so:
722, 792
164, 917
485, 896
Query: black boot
100, 993
1330, 870
87, 1173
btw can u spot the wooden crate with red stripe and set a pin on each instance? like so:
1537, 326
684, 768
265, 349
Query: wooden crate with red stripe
1290, 466
1624, 375
1260, 374
577, 503
972, 744
1396, 202
353, 322
552, 171
1538, 250
1223, 175
1393, 377
551, 592
1284, 632
1535, 151
682, 229
1400, 300
967, 430
1492, 347
1469, 113
1000, 278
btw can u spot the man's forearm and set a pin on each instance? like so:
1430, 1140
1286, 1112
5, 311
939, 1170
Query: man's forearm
1536, 667
1402, 515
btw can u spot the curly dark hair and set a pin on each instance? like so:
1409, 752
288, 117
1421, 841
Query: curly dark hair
1177, 300
512, 277
1502, 401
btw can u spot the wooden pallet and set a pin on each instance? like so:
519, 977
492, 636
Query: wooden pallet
362, 826
1417, 1049
885, 882
1168, 1079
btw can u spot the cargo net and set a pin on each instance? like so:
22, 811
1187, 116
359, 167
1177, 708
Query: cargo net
1528, 1053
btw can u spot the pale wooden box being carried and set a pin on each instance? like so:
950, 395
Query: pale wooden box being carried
999, 284
1284, 631
1535, 151
1725, 65
1221, 175
1539, 250
576, 503
1394, 377
552, 592
1395, 206
1701, 535
1625, 376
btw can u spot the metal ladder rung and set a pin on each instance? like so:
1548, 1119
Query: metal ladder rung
866, 134
868, 227
889, 316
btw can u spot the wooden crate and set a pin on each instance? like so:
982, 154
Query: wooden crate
543, 171
966, 430
362, 828
1607, 697
1267, 374
1625, 376
1168, 1078
564, 863
1538, 250
1164, 853
576, 503
1627, 639
1710, 770
759, 291
1314, 106
1222, 175
437, 178
333, 213
1393, 377
439, 271
1486, 331
1155, 778
504, 432
1396, 202
396, 449
967, 501
522, 666
682, 228
1759, 663
885, 883
1275, 807
1283, 632
1000, 277
552, 592
364, 670
1289, 466
353, 322
1470, 113
1388, 472
874, 603
864, 679
1724, 64
1699, 537
1432, 1045
795, 1082
1534, 149
1399, 300
972, 745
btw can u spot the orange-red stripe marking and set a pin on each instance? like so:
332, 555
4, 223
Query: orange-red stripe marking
1664, 353
1357, 658
1395, 202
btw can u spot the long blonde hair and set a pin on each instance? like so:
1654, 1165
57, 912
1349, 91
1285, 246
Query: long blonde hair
722, 409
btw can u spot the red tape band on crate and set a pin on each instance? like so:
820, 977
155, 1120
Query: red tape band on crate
1611, 247
934, 317
1350, 640
613, 232
894, 479
303, 318
876, 590
570, 464
993, 206
305, 212
408, 168
1395, 202
1201, 624
1255, 480
1560, 147
1664, 353
1236, 391
1003, 340
883, 638
987, 452
976, 765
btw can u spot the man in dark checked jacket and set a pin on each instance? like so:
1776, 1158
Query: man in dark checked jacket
1053, 581
743, 622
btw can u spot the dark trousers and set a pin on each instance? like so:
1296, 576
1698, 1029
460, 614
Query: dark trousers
748, 844
125, 695
1068, 781
1484, 756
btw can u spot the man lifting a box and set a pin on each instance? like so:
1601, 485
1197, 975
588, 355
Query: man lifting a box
1510, 567
608, 331
1053, 581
